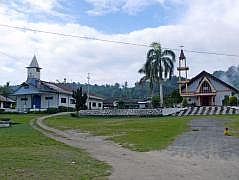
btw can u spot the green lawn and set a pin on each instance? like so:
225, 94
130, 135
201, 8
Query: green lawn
135, 133
27, 154
232, 125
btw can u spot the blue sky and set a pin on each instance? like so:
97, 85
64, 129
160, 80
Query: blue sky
105, 19
198, 25
153, 15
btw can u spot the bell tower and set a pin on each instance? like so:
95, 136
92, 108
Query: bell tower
183, 72
33, 70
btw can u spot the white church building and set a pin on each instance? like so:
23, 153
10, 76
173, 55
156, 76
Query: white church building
207, 90
35, 94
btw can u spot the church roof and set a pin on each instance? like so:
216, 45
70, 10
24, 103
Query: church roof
204, 73
34, 63
182, 56
6, 99
42, 87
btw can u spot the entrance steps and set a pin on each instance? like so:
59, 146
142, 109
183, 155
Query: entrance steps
207, 110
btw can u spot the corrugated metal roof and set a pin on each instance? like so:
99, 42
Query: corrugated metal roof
4, 99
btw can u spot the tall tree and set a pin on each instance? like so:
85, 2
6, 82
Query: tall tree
5, 90
158, 67
80, 99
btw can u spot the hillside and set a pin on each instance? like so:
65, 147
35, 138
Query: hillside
231, 76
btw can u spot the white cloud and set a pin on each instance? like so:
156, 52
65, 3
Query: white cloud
206, 26
33, 8
101, 7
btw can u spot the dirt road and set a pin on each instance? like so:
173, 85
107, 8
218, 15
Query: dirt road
201, 154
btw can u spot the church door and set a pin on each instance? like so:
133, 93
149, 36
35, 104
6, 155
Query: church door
36, 101
206, 101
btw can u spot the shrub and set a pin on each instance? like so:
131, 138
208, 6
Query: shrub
225, 101
71, 109
121, 104
62, 109
233, 101
156, 101
65, 109
52, 110
185, 102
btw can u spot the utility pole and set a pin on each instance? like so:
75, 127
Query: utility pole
88, 93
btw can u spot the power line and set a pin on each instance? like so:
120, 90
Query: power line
112, 41
73, 36
8, 55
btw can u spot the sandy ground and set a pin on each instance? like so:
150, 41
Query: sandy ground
202, 154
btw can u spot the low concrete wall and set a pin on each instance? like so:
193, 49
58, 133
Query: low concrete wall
122, 112
170, 111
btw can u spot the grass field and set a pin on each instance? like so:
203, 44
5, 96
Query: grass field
27, 154
135, 133
233, 125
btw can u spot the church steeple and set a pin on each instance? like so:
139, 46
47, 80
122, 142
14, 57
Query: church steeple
33, 70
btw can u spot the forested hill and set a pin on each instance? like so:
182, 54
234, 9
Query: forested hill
121, 91
231, 76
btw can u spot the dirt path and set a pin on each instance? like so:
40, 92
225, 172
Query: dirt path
180, 161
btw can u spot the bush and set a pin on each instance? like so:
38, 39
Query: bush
65, 109
225, 101
52, 110
62, 109
233, 101
156, 101
185, 102
70, 109
121, 104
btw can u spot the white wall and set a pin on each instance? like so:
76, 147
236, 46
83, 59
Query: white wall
51, 103
97, 102
32, 73
68, 99
23, 105
193, 100
220, 96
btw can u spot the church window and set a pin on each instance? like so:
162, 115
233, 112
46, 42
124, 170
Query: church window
49, 98
205, 87
63, 100
94, 104
72, 101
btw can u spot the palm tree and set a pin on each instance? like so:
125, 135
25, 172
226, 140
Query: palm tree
159, 66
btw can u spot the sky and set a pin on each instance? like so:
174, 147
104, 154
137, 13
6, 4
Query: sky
199, 25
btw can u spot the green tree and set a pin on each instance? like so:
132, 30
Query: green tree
80, 100
184, 102
159, 66
156, 101
173, 98
225, 101
121, 104
232, 100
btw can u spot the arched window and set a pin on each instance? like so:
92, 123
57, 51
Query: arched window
205, 87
